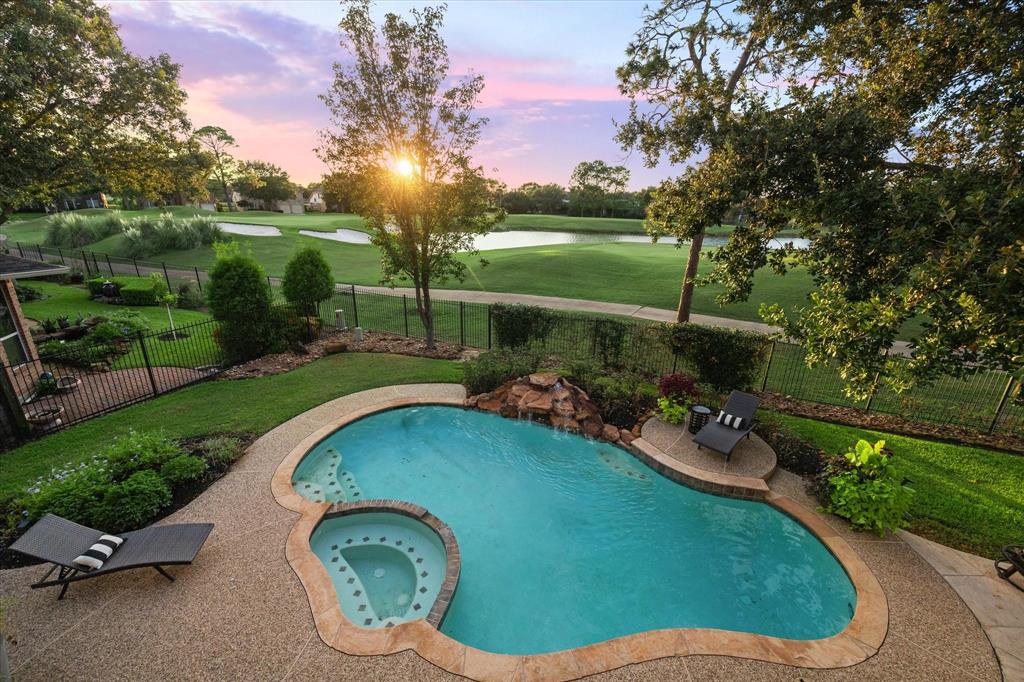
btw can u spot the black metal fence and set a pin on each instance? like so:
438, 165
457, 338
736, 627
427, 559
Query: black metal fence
985, 400
95, 379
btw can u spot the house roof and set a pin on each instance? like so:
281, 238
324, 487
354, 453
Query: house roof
13, 267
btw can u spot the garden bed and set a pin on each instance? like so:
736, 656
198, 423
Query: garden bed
373, 342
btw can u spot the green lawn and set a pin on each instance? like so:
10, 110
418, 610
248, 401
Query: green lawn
968, 498
255, 405
198, 349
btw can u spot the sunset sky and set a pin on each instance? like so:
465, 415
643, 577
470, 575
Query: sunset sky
256, 68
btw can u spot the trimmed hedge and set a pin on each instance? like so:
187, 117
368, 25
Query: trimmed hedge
725, 359
143, 291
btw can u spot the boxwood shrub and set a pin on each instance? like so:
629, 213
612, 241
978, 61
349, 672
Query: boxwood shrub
143, 291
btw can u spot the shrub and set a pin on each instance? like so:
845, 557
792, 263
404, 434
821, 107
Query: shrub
307, 280
143, 291
679, 387
73, 276
95, 284
27, 293
582, 370
623, 398
49, 325
725, 359
68, 493
221, 451
189, 296
148, 235
239, 298
118, 326
868, 491
794, 454
182, 469
74, 230
670, 411
131, 503
517, 325
609, 338
139, 451
490, 370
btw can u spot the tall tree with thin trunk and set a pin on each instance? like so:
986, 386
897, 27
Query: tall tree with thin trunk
690, 69
218, 143
403, 131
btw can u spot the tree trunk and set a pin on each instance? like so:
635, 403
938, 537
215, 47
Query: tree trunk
227, 194
686, 294
5, 213
426, 311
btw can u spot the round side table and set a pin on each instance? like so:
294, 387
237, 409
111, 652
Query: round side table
699, 416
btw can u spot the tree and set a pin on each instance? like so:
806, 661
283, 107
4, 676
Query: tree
404, 130
264, 181
71, 97
239, 299
307, 280
894, 146
339, 192
593, 181
218, 143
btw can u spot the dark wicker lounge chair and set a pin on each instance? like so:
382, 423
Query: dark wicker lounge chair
722, 438
59, 541
1011, 562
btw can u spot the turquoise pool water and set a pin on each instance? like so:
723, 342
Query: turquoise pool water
566, 542
386, 568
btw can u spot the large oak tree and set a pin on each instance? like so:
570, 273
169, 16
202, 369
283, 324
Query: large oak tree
73, 102
889, 134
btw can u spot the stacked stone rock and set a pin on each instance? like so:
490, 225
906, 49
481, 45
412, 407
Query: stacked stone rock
548, 397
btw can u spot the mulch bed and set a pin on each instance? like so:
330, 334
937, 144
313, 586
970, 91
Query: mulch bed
373, 342
949, 433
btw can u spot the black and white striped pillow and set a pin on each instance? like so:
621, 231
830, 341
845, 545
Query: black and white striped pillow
94, 557
730, 420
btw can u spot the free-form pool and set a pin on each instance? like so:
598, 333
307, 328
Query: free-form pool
566, 542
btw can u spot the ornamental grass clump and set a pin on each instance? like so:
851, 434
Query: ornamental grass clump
865, 488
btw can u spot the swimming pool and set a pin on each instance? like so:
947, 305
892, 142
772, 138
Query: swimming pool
566, 542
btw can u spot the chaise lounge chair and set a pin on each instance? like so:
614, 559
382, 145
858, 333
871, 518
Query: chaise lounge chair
58, 541
723, 438
1011, 562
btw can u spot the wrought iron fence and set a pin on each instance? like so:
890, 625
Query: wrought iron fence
93, 380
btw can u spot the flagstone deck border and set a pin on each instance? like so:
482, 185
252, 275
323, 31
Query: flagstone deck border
860, 640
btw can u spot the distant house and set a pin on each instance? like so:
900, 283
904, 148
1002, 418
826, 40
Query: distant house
315, 200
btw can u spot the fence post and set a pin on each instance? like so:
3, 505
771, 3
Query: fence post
166, 278
768, 365
405, 313
39, 250
488, 326
95, 263
59, 253
462, 323
149, 365
1002, 403
85, 262
137, 272
20, 252
199, 282
109, 266
355, 310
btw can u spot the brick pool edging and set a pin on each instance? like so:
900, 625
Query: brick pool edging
859, 641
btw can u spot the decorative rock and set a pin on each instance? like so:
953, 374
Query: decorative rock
626, 437
566, 423
544, 380
592, 428
610, 433
332, 347
490, 404
540, 405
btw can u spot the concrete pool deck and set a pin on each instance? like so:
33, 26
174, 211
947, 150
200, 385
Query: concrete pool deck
240, 612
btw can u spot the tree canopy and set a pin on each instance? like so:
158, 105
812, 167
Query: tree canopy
591, 184
263, 181
75, 107
889, 135
403, 130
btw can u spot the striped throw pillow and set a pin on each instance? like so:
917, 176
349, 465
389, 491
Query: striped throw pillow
730, 420
94, 557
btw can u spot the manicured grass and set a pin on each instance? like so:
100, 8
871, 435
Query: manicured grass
255, 405
198, 349
563, 223
966, 497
